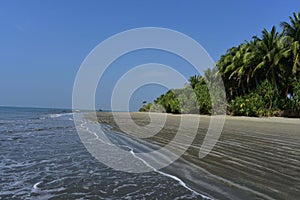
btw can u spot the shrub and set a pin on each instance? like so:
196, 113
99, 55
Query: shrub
269, 94
146, 107
249, 105
203, 98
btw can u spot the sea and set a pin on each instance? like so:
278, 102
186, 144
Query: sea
43, 157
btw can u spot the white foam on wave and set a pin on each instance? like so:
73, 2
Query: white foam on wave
181, 182
169, 175
35, 186
59, 115
45, 194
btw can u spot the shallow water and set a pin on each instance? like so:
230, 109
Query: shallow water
42, 157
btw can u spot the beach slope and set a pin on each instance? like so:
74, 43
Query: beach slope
254, 158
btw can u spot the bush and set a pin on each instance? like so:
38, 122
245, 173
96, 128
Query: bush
203, 98
250, 105
187, 100
169, 102
295, 100
146, 107
269, 94
264, 101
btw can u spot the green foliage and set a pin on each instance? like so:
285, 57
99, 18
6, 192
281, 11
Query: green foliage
295, 98
186, 100
268, 66
146, 107
249, 105
261, 77
256, 104
292, 31
203, 98
269, 93
169, 102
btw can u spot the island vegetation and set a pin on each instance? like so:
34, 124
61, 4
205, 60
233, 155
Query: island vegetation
261, 78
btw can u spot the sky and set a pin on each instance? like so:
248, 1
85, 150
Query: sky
43, 43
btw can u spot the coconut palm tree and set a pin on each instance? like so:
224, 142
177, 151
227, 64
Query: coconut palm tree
271, 48
292, 31
239, 67
194, 80
225, 69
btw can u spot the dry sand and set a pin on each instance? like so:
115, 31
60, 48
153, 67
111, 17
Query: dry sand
254, 158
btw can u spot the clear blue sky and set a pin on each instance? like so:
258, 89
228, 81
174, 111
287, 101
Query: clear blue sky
43, 43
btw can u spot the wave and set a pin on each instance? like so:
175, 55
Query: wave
59, 115
35, 186
107, 129
181, 182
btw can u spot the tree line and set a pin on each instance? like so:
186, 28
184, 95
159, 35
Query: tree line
261, 78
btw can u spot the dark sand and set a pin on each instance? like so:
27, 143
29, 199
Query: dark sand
255, 158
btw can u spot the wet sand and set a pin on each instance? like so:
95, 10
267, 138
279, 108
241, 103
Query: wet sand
254, 158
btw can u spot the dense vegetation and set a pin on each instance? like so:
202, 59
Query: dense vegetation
261, 78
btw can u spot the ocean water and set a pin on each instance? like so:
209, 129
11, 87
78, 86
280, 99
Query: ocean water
42, 157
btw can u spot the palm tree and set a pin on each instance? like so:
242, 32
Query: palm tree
271, 48
194, 80
225, 69
251, 59
239, 67
292, 31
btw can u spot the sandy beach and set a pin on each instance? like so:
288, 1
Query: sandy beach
254, 158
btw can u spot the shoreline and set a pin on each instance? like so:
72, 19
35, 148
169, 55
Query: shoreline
227, 117
254, 157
